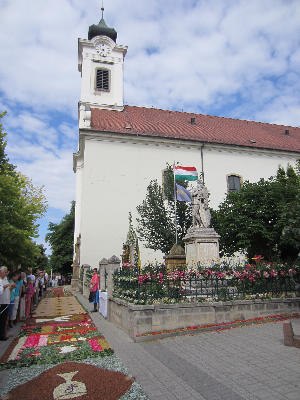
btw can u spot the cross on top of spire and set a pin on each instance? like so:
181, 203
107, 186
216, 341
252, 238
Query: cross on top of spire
102, 8
101, 29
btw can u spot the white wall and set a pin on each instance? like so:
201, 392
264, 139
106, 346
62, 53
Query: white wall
90, 61
250, 166
116, 175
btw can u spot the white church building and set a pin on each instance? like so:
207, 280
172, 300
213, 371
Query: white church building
121, 148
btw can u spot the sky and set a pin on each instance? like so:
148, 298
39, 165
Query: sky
231, 58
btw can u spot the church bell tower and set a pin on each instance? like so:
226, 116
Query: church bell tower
100, 61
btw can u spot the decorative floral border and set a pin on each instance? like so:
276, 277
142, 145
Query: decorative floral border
225, 325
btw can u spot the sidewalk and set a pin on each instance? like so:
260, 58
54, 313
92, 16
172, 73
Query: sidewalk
4, 346
244, 363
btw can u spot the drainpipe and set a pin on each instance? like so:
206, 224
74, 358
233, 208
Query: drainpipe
202, 167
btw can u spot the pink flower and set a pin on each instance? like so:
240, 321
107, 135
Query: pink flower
292, 271
273, 273
126, 265
32, 341
43, 340
266, 274
95, 345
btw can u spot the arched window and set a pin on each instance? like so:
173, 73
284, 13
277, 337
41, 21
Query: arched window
234, 183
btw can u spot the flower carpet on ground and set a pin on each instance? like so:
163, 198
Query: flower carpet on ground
55, 338
57, 306
63, 356
58, 292
74, 380
221, 326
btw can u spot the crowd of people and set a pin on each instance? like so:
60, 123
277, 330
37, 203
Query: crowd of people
20, 293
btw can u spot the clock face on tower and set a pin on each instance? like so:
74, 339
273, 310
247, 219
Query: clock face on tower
103, 49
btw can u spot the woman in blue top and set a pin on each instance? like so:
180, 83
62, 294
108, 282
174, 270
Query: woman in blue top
18, 289
12, 279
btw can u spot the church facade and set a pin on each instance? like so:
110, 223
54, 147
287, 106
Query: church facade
121, 148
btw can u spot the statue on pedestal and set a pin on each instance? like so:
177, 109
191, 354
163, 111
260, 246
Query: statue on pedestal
76, 264
77, 251
201, 240
201, 213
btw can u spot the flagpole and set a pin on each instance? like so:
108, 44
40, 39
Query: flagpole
175, 201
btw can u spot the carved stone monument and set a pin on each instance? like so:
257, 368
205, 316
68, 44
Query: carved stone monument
201, 241
75, 282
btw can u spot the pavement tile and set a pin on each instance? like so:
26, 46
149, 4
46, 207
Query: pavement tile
244, 363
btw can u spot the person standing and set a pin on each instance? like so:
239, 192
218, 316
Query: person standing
4, 302
46, 277
30, 275
12, 280
19, 283
36, 285
22, 297
28, 297
94, 289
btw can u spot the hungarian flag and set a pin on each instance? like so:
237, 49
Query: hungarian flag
185, 173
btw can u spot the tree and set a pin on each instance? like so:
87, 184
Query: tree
262, 218
21, 205
41, 260
61, 238
156, 221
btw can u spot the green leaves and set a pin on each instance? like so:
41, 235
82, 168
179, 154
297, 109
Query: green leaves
262, 218
21, 205
61, 238
156, 222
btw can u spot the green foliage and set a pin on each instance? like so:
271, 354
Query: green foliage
21, 205
262, 218
61, 237
41, 260
156, 222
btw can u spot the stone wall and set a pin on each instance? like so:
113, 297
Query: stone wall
140, 319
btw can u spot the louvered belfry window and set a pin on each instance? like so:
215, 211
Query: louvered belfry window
234, 183
102, 79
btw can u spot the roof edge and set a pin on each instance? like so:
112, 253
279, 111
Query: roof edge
134, 135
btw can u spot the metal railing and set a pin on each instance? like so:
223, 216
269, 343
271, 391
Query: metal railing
128, 286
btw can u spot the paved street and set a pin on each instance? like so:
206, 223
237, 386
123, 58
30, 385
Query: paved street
243, 363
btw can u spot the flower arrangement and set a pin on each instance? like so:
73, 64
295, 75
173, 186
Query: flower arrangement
220, 282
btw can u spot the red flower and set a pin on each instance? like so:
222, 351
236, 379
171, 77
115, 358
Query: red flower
257, 258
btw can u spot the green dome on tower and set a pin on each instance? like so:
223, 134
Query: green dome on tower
102, 30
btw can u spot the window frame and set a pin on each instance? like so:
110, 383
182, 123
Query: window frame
237, 176
109, 79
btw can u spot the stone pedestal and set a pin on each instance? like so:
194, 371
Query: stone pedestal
201, 246
112, 266
75, 282
176, 258
85, 288
102, 271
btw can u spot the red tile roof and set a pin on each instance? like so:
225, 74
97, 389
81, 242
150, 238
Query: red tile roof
207, 129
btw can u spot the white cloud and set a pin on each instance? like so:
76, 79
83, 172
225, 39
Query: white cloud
240, 58
33, 147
